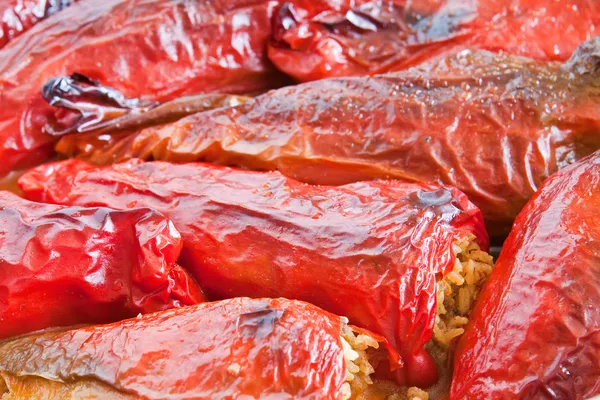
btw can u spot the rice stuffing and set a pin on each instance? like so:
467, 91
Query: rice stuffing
358, 368
456, 294
457, 291
414, 393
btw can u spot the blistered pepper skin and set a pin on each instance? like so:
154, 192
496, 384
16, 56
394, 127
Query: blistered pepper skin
61, 266
369, 251
535, 331
316, 39
17, 16
154, 50
494, 126
259, 348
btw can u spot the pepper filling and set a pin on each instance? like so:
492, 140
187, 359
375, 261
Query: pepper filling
457, 291
358, 368
456, 294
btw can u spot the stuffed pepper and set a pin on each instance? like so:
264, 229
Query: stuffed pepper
84, 105
535, 332
232, 349
152, 50
494, 126
61, 266
315, 39
403, 260
17, 16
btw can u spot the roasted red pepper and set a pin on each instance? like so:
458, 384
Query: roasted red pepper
371, 251
153, 50
61, 266
105, 111
17, 16
102, 116
536, 326
232, 349
315, 39
494, 126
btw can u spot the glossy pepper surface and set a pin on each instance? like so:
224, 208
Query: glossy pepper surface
232, 349
102, 116
62, 266
17, 16
86, 106
494, 126
536, 326
315, 39
369, 251
151, 50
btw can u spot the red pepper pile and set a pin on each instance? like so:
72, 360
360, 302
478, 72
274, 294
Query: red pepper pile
370, 251
356, 188
494, 126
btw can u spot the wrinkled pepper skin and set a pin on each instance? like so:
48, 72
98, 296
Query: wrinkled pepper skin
535, 331
17, 16
101, 116
155, 50
494, 126
369, 251
61, 266
95, 108
259, 348
316, 39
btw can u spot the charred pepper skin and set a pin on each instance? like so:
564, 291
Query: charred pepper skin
182, 47
259, 348
62, 266
17, 16
369, 251
316, 39
494, 126
535, 331
95, 108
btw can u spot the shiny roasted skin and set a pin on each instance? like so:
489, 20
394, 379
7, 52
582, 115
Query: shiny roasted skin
535, 331
93, 107
494, 126
316, 39
17, 16
228, 349
101, 116
61, 266
370, 251
155, 50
